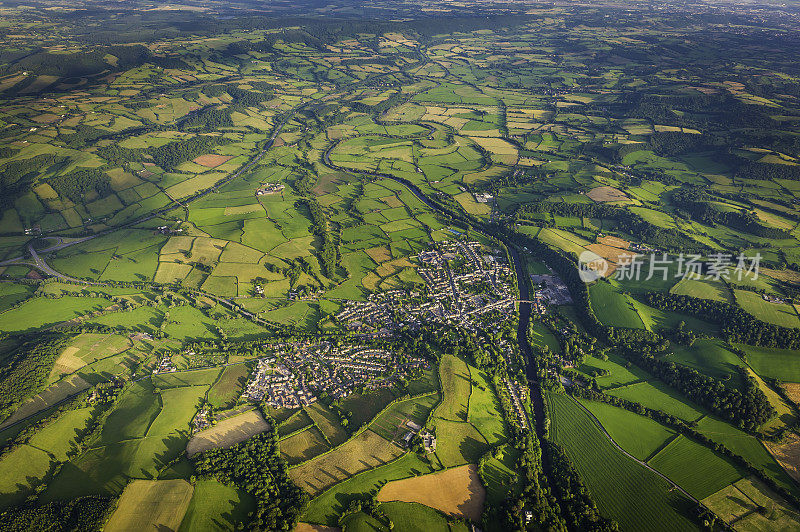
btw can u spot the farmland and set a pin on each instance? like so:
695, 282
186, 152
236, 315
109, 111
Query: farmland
614, 480
258, 256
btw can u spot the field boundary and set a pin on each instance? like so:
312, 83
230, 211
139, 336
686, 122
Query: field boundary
630, 456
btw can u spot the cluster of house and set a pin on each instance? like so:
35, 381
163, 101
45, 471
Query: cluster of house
428, 438
773, 299
549, 289
482, 283
270, 188
167, 230
201, 421
165, 365
296, 373
518, 393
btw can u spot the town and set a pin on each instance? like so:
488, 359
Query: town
462, 280
296, 374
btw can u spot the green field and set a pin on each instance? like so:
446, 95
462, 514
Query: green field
659, 396
456, 387
613, 308
781, 314
695, 467
773, 363
639, 435
615, 482
216, 506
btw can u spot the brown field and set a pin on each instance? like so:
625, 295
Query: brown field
151, 505
608, 252
792, 391
789, 276
211, 160
604, 194
614, 241
308, 527
392, 201
787, 453
379, 254
47, 118
227, 432
455, 491
390, 268
362, 452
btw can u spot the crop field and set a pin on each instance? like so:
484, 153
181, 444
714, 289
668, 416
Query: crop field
227, 432
746, 446
151, 503
615, 482
325, 508
639, 435
364, 451
659, 396
455, 491
694, 467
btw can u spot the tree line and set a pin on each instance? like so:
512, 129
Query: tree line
255, 465
736, 324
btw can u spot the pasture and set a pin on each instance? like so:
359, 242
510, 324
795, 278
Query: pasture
216, 506
456, 389
782, 364
613, 308
781, 314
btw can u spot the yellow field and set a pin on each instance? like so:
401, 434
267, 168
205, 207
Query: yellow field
379, 254
227, 432
151, 505
456, 491
787, 453
365, 451
738, 505
67, 362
